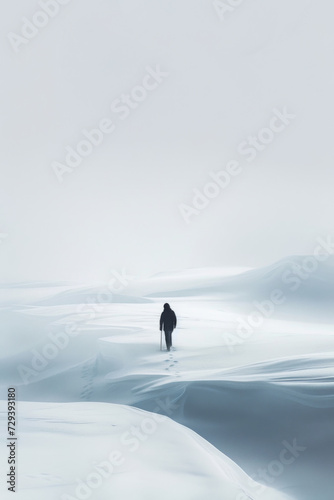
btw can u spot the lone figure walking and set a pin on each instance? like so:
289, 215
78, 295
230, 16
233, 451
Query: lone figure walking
168, 323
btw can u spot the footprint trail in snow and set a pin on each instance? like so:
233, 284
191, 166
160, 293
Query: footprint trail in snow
172, 364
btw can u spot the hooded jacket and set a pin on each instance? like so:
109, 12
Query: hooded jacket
167, 319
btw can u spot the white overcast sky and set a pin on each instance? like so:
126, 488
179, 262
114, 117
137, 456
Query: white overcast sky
120, 207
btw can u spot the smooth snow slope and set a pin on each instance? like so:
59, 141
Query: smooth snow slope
103, 451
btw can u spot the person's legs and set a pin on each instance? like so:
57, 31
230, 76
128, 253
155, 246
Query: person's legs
168, 339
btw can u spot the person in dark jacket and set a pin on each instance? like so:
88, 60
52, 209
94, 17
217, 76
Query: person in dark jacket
168, 323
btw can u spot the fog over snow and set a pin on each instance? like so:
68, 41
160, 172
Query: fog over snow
225, 77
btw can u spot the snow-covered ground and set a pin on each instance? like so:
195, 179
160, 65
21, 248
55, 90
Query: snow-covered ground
247, 390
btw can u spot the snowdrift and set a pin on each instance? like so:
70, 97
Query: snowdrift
100, 451
249, 399
305, 282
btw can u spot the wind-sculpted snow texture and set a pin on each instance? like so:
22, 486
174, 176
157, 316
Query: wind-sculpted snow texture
103, 413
